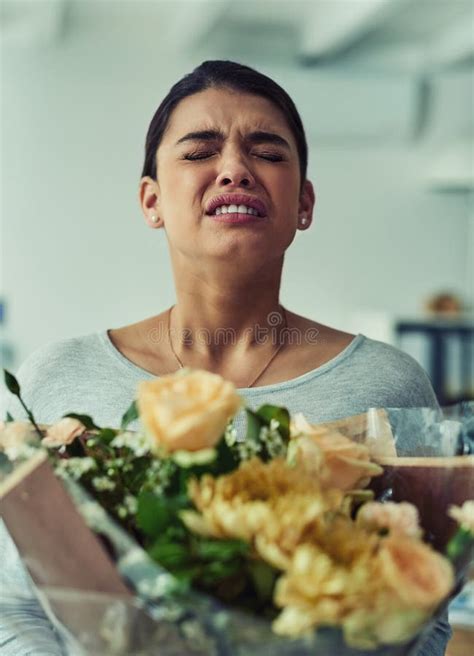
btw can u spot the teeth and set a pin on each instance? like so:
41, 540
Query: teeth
241, 209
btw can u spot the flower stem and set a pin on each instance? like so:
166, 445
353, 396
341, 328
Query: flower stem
31, 418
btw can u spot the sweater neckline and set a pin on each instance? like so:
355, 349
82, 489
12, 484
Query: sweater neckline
273, 387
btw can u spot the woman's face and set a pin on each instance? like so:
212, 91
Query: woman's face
224, 148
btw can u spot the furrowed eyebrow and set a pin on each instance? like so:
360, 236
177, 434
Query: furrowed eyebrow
257, 137
202, 135
260, 137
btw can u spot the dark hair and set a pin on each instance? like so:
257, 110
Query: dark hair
220, 73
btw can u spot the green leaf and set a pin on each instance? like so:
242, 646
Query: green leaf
169, 554
130, 415
106, 435
11, 383
9, 418
269, 412
186, 574
254, 423
221, 549
84, 419
217, 570
226, 460
154, 513
263, 577
137, 475
14, 387
461, 544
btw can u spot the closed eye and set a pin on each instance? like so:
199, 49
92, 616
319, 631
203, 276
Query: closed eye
196, 156
271, 157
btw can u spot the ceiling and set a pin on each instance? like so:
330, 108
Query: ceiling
390, 35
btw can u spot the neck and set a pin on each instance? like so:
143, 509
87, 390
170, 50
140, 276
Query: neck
223, 316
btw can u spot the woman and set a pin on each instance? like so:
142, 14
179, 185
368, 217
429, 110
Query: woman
225, 179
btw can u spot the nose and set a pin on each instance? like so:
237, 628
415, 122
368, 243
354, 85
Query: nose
235, 172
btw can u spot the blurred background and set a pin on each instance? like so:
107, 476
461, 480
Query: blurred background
386, 91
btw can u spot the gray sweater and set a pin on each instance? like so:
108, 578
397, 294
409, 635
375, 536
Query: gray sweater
89, 375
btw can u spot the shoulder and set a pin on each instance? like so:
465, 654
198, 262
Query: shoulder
394, 372
59, 355
51, 367
381, 354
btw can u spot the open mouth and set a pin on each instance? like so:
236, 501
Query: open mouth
235, 209
236, 204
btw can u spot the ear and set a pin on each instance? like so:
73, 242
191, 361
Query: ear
306, 205
149, 194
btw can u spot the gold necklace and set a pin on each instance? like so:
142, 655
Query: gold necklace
274, 354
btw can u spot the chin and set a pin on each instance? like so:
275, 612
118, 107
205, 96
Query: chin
244, 251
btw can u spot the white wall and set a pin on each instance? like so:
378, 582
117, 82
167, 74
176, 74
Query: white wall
76, 255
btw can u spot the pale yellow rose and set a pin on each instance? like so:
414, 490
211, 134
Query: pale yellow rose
63, 432
407, 582
14, 434
464, 515
188, 410
418, 575
343, 464
401, 518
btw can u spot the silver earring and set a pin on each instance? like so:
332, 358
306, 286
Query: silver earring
154, 218
303, 219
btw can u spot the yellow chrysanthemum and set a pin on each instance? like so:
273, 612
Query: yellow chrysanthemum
272, 505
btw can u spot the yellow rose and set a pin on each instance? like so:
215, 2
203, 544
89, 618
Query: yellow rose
419, 576
188, 410
401, 518
339, 461
63, 432
14, 435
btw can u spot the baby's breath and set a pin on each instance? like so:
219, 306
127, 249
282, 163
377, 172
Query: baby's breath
248, 448
131, 503
103, 484
270, 436
122, 511
230, 434
138, 443
159, 474
128, 507
76, 467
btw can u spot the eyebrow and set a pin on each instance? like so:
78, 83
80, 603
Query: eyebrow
261, 136
256, 137
202, 135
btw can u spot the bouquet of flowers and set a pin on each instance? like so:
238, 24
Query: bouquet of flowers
275, 542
